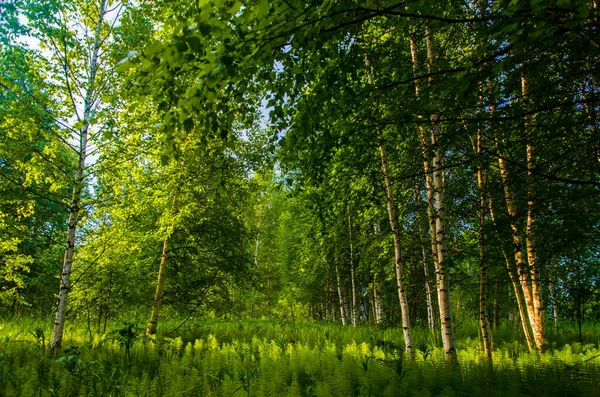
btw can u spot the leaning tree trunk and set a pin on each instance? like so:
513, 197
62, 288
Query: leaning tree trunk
513, 279
78, 186
516, 238
520, 293
391, 209
443, 281
162, 274
520, 262
160, 287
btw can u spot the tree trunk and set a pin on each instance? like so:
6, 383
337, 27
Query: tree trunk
377, 298
160, 287
339, 289
391, 209
333, 308
483, 317
536, 316
354, 308
591, 108
424, 148
377, 286
78, 186
591, 113
443, 281
514, 280
495, 313
162, 273
399, 262
553, 299
520, 293
431, 317
256, 245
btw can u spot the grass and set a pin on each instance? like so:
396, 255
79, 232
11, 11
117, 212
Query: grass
273, 358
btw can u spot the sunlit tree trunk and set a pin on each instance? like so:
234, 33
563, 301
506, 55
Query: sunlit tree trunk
520, 281
521, 265
160, 287
78, 184
511, 266
443, 281
516, 239
162, 273
536, 315
513, 279
393, 218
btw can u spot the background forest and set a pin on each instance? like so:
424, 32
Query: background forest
405, 190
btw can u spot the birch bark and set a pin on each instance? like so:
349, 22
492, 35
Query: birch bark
78, 184
536, 316
340, 296
393, 218
483, 317
443, 281
354, 308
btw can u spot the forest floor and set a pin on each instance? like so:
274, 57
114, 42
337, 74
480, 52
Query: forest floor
210, 357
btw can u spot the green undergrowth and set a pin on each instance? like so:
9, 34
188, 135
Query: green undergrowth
273, 358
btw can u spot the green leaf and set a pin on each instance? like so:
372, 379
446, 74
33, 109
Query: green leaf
188, 125
194, 43
164, 159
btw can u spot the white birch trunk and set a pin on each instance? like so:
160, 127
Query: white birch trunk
483, 317
428, 185
536, 317
443, 282
377, 299
78, 186
354, 307
399, 262
340, 295
520, 293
